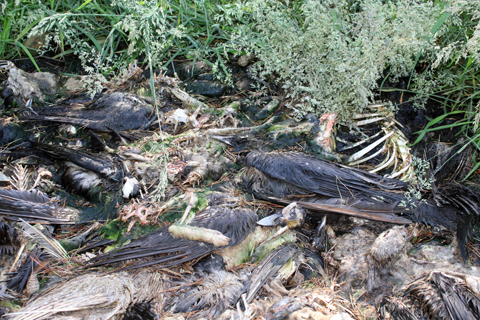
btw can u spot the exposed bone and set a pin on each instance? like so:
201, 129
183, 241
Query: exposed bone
363, 152
193, 199
383, 149
356, 144
199, 234
387, 163
368, 121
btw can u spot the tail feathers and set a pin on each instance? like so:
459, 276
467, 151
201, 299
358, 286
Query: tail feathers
435, 216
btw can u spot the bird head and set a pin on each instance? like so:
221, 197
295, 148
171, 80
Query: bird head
291, 216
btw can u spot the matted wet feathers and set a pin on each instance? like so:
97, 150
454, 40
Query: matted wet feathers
442, 295
32, 205
119, 111
215, 294
160, 247
268, 268
397, 308
99, 296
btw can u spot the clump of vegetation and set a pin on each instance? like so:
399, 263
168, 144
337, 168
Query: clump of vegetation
328, 55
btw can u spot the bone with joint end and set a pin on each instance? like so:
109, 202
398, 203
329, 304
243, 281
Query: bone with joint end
193, 199
199, 234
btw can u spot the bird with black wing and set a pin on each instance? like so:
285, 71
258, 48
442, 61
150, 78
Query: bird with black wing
32, 206
222, 225
326, 188
119, 111
85, 173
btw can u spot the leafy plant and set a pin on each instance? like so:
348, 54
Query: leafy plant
330, 55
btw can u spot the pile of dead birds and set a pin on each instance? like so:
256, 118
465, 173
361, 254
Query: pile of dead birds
211, 203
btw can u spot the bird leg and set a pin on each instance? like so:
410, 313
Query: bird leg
193, 199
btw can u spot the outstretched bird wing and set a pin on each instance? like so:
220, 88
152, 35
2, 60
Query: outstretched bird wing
286, 174
320, 176
158, 247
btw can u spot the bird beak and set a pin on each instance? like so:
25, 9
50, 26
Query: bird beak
271, 221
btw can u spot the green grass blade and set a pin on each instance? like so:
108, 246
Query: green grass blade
29, 55
431, 123
82, 5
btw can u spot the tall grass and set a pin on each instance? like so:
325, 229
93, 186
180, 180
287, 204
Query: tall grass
112, 34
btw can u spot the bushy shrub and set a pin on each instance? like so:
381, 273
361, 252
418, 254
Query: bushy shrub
329, 55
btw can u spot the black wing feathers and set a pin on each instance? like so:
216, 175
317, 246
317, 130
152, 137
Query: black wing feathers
28, 205
235, 223
319, 176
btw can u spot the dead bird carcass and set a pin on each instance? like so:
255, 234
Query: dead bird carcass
441, 294
324, 187
223, 218
93, 296
119, 111
85, 173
